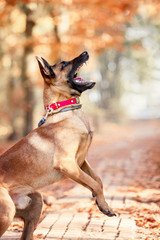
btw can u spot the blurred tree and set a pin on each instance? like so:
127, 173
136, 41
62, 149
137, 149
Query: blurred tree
28, 104
62, 28
110, 85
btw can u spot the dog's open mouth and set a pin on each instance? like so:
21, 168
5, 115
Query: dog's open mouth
77, 82
76, 79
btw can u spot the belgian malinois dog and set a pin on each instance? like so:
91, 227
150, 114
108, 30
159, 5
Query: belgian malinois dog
54, 151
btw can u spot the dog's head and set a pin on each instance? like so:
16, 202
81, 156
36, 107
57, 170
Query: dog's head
65, 73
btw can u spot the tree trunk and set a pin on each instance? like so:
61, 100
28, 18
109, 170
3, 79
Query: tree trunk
110, 86
26, 83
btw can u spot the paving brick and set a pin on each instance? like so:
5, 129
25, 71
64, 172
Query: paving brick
43, 228
76, 226
11, 235
118, 200
95, 229
127, 229
60, 226
127, 224
112, 222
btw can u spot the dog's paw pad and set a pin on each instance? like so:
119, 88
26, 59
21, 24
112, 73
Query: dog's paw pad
107, 212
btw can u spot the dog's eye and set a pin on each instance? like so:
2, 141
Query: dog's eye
64, 64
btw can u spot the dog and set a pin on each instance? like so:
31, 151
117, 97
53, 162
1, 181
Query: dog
54, 151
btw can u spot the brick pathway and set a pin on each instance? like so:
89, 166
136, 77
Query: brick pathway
68, 223
75, 221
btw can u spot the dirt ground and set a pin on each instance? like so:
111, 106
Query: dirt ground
127, 157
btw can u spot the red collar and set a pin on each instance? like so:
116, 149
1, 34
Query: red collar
57, 105
54, 106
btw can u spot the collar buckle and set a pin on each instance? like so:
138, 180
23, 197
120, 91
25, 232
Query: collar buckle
54, 106
77, 100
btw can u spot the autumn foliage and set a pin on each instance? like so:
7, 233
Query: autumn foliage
57, 30
74, 25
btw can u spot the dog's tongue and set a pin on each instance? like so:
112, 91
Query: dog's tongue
78, 79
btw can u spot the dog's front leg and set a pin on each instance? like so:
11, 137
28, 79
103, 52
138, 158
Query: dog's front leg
72, 170
99, 200
89, 170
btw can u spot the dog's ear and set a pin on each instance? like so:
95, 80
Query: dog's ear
46, 70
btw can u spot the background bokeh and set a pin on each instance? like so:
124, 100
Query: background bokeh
121, 36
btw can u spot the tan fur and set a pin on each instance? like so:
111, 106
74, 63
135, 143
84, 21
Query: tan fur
54, 151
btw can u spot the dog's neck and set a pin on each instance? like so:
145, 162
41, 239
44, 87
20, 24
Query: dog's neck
53, 94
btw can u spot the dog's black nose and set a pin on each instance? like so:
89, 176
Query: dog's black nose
84, 53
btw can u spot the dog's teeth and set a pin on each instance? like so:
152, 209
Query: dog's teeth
79, 68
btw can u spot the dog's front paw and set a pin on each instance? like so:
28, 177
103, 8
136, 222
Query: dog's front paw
109, 212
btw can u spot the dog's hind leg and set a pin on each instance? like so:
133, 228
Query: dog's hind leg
7, 210
30, 215
88, 180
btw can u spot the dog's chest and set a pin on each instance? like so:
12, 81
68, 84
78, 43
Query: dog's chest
86, 139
